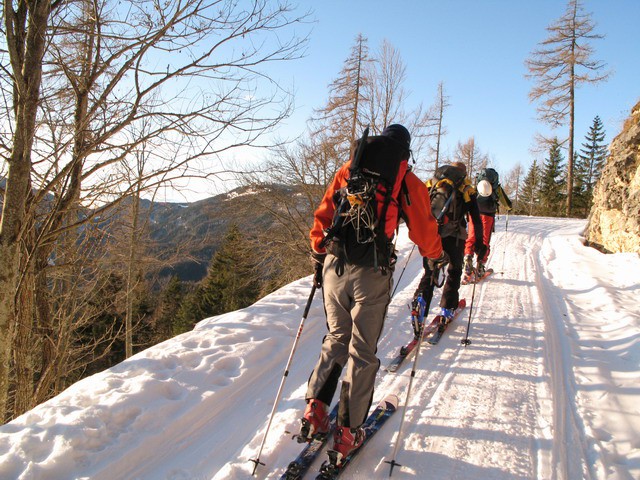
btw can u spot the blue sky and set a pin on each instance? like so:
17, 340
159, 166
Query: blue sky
478, 49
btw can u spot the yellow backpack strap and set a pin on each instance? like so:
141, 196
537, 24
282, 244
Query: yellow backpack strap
439, 183
467, 190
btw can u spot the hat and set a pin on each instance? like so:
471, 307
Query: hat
398, 133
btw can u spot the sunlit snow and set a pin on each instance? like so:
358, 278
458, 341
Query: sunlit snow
548, 388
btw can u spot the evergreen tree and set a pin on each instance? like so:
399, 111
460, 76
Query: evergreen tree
581, 201
530, 194
233, 282
590, 162
552, 182
191, 311
169, 303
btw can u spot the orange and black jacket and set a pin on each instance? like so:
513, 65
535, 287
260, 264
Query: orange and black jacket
413, 202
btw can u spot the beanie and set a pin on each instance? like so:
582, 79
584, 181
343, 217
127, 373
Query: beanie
398, 133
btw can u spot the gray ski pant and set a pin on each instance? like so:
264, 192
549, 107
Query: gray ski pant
356, 305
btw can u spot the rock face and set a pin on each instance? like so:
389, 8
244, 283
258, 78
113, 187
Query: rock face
614, 220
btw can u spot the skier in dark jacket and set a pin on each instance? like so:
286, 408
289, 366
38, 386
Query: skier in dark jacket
454, 236
490, 197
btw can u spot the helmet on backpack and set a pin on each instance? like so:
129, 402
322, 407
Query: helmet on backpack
491, 176
484, 188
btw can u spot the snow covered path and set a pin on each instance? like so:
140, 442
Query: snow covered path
548, 388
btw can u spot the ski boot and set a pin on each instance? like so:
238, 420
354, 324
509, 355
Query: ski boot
345, 441
480, 269
446, 315
315, 421
468, 271
417, 322
468, 265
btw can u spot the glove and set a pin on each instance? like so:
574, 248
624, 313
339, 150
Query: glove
435, 264
480, 249
317, 260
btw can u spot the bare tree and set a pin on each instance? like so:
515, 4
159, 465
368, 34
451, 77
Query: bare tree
385, 93
193, 70
25, 24
291, 185
436, 114
388, 100
293, 181
469, 154
338, 122
512, 183
561, 64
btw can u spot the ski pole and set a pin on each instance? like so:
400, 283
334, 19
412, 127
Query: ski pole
427, 306
465, 341
256, 460
403, 269
504, 250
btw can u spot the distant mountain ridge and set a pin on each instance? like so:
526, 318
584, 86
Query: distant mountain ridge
195, 230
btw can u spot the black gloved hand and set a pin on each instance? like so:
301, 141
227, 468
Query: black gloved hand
435, 264
317, 260
480, 249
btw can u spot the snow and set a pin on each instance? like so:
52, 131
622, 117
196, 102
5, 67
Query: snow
548, 388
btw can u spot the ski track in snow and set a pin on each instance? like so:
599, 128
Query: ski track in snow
522, 401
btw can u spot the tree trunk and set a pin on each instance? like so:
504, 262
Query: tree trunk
26, 38
570, 166
356, 103
132, 273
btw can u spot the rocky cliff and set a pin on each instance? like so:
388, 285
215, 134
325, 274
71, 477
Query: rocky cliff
614, 221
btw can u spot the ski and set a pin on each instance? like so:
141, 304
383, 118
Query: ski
472, 278
299, 466
431, 328
329, 470
407, 350
435, 338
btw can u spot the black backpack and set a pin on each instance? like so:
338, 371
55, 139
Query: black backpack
490, 175
445, 194
367, 209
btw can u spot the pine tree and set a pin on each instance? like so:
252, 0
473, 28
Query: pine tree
581, 201
191, 311
233, 282
171, 298
530, 194
552, 182
590, 162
